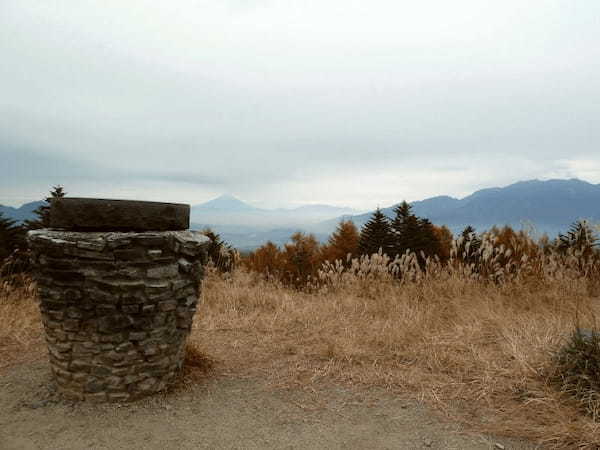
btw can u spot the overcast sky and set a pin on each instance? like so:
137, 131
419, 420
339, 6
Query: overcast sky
282, 103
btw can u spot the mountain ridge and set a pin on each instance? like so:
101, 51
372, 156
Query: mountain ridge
23, 212
228, 202
225, 202
227, 210
550, 205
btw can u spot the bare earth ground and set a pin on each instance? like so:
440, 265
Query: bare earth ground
224, 412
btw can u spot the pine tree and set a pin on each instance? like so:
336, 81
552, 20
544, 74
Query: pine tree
427, 241
376, 234
43, 211
580, 237
219, 252
468, 249
405, 230
417, 235
468, 232
12, 237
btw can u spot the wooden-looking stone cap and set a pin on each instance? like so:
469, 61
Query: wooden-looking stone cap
96, 214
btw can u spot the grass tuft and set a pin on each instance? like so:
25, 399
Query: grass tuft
578, 369
21, 331
196, 363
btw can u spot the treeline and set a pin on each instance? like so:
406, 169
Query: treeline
13, 246
300, 260
14, 256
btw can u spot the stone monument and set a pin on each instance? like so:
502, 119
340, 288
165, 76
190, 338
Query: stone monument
118, 284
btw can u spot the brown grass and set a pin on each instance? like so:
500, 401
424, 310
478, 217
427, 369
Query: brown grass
477, 351
21, 332
197, 365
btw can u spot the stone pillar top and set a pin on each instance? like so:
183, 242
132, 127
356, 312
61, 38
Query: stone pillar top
108, 245
95, 214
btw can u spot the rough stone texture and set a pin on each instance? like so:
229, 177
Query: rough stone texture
93, 214
117, 307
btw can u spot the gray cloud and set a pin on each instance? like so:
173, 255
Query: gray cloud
285, 102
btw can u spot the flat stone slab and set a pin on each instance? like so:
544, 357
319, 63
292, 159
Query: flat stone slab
95, 214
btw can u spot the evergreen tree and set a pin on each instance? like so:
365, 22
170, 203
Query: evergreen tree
43, 211
468, 232
12, 237
580, 237
221, 253
376, 234
405, 230
417, 235
468, 253
427, 241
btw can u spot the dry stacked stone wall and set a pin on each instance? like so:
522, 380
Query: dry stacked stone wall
117, 307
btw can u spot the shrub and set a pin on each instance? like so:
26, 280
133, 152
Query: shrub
578, 369
445, 238
220, 253
266, 260
302, 258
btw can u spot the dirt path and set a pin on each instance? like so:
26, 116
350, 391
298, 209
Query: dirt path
223, 413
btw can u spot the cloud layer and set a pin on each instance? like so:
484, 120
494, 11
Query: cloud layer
346, 102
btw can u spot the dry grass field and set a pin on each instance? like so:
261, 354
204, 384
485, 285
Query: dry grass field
480, 352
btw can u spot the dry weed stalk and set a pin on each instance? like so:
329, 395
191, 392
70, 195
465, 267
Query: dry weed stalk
21, 329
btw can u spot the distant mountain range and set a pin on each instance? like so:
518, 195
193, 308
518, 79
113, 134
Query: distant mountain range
224, 203
24, 212
226, 211
240, 224
551, 206
246, 227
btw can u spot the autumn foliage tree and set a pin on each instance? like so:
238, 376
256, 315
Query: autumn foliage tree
516, 245
444, 237
267, 259
493, 254
302, 259
343, 243
497, 248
